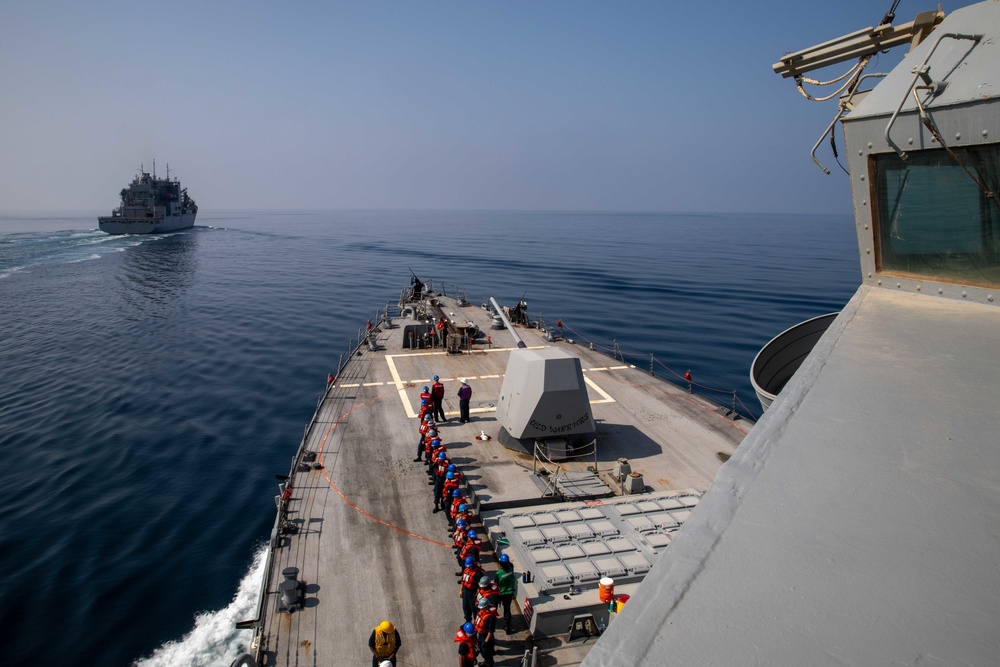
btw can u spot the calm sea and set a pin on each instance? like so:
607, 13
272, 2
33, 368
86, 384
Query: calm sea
151, 387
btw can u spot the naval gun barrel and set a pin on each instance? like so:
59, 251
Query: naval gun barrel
506, 322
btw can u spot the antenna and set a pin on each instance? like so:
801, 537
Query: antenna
154, 167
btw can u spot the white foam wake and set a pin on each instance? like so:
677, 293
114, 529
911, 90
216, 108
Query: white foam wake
214, 640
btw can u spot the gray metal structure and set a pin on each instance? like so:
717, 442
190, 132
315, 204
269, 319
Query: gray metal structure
857, 523
151, 205
568, 548
543, 396
777, 361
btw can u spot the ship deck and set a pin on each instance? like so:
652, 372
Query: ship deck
364, 539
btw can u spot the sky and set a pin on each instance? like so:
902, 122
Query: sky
472, 104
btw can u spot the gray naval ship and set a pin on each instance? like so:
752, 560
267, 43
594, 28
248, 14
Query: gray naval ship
856, 523
151, 205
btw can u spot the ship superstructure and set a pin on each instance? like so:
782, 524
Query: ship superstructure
857, 523
151, 205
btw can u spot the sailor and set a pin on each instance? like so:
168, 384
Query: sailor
441, 324
456, 502
425, 395
458, 535
486, 620
464, 395
437, 397
426, 424
441, 477
434, 447
507, 586
384, 643
467, 645
472, 547
452, 480
468, 587
425, 409
488, 590
462, 517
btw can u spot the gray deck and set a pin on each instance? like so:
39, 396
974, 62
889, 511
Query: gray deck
369, 547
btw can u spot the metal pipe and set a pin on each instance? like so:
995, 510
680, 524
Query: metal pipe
917, 71
506, 323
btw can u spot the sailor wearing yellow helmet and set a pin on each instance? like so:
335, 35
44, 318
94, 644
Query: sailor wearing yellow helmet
384, 643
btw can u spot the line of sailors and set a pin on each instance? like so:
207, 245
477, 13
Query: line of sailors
479, 592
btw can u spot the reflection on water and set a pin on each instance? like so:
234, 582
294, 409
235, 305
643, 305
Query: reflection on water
152, 274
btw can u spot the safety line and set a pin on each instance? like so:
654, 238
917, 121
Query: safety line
319, 453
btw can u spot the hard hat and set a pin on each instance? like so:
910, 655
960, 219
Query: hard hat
435, 378
427, 418
386, 627
385, 663
468, 628
431, 432
471, 534
423, 401
435, 442
462, 380
426, 388
484, 603
450, 475
443, 456
462, 523
504, 558
457, 492
451, 467
484, 581
469, 560
462, 507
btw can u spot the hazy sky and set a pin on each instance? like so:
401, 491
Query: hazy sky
548, 104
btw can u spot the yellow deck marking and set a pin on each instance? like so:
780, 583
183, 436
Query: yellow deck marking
593, 385
400, 385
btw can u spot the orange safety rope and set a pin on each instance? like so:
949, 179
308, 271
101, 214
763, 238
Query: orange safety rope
340, 493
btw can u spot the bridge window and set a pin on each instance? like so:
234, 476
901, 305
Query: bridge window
934, 220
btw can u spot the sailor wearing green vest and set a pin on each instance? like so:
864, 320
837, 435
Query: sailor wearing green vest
384, 643
507, 584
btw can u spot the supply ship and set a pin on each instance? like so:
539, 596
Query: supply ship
854, 524
151, 205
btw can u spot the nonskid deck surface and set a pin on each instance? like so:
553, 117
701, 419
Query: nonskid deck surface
368, 546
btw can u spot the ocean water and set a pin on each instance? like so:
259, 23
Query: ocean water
151, 387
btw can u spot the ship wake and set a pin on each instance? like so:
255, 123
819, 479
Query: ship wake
214, 640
